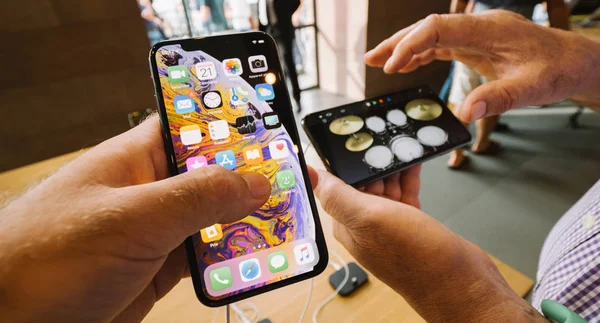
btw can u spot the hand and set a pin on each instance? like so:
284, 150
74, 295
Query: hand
442, 276
101, 239
531, 65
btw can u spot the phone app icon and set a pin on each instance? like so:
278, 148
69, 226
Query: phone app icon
258, 63
277, 261
250, 270
196, 162
264, 91
206, 71
239, 95
190, 135
212, 233
184, 104
218, 130
279, 149
253, 155
271, 120
212, 99
245, 124
286, 179
220, 278
226, 159
232, 67
178, 74
304, 254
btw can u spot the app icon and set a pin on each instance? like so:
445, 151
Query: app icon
212, 233
232, 67
239, 95
220, 278
286, 179
206, 71
258, 63
178, 74
190, 135
218, 129
264, 91
250, 270
226, 159
253, 155
196, 162
245, 124
277, 261
212, 99
184, 104
304, 254
271, 120
279, 149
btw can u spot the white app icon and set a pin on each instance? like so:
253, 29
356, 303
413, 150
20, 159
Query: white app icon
258, 63
218, 129
304, 254
279, 149
190, 135
206, 71
250, 270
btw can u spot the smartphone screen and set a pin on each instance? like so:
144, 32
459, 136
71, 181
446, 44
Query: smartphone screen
223, 101
368, 140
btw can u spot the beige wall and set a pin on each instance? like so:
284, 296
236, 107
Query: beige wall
71, 71
348, 28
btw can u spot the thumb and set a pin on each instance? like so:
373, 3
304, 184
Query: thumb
180, 206
340, 200
494, 98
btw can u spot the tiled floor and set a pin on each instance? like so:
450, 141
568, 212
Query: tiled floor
507, 204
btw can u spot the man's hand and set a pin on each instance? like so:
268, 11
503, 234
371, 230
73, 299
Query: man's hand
101, 240
442, 276
530, 64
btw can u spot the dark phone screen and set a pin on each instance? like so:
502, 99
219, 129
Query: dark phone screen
366, 140
226, 104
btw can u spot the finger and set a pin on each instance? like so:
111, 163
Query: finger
410, 182
377, 56
392, 187
340, 200
183, 204
375, 188
344, 236
314, 177
497, 97
422, 59
451, 31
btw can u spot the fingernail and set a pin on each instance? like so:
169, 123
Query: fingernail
387, 67
258, 185
478, 110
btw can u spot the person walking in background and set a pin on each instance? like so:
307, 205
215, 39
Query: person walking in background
239, 13
465, 79
275, 18
211, 13
154, 24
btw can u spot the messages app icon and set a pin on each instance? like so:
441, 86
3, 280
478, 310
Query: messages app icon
277, 261
220, 278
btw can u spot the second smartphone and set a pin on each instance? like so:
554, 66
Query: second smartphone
368, 140
223, 101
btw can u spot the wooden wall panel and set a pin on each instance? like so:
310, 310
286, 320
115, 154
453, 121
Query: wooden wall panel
72, 71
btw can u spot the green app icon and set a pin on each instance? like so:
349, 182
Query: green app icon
220, 278
178, 74
286, 179
277, 261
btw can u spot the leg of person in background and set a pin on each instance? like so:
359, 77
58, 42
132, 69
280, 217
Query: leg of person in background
484, 128
286, 46
457, 156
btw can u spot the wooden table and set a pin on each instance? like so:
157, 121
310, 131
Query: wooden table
375, 302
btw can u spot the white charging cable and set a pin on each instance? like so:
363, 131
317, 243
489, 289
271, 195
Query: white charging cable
337, 290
